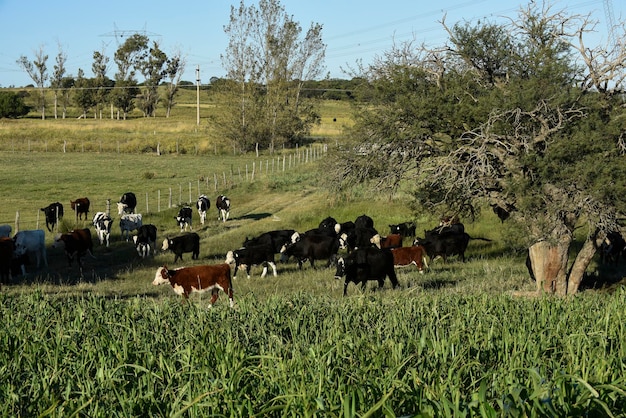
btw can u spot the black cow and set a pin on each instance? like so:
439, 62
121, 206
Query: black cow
346, 227
127, 203
184, 218
145, 239
446, 244
406, 229
612, 248
329, 232
367, 264
312, 247
364, 221
276, 239
186, 243
246, 257
361, 237
53, 212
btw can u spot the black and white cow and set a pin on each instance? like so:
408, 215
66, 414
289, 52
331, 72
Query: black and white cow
276, 239
53, 213
185, 243
246, 257
102, 222
184, 218
145, 239
203, 204
127, 203
223, 207
367, 264
129, 222
406, 229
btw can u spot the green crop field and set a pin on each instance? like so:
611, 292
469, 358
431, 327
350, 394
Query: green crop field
462, 339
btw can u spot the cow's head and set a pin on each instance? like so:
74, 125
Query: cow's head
166, 244
162, 276
230, 257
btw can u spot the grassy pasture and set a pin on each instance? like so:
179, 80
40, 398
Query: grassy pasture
458, 340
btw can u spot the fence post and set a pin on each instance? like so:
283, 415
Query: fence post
17, 221
159, 200
147, 208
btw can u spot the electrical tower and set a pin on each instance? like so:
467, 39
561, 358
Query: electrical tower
118, 34
610, 22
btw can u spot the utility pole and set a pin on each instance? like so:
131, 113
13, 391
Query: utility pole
198, 95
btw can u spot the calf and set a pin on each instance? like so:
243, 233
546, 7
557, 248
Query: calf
366, 264
80, 206
203, 204
406, 256
186, 243
53, 212
145, 238
312, 247
186, 280
129, 222
127, 203
446, 244
406, 229
7, 248
184, 218
102, 222
246, 257
31, 243
223, 207
76, 243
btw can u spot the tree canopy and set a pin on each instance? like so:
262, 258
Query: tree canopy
503, 114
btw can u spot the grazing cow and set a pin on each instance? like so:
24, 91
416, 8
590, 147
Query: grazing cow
344, 227
203, 204
81, 207
5, 231
7, 248
276, 239
406, 229
366, 264
405, 256
390, 241
102, 222
364, 221
145, 239
612, 248
129, 222
446, 244
127, 203
329, 223
186, 243
53, 212
329, 232
222, 203
184, 218
76, 243
32, 244
312, 247
186, 280
246, 257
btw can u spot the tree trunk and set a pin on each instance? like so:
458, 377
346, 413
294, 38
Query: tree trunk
584, 257
549, 265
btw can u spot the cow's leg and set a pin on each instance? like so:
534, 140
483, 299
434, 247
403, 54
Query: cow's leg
214, 295
273, 265
345, 287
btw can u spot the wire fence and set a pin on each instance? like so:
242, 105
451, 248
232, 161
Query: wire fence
182, 193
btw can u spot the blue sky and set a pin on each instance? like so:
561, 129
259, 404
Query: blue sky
353, 31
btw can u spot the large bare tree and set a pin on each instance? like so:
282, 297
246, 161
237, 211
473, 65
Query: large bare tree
37, 70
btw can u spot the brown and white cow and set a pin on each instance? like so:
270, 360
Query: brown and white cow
405, 256
76, 243
80, 206
390, 241
186, 280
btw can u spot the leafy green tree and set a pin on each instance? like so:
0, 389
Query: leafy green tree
37, 70
84, 93
174, 69
270, 61
152, 67
12, 105
101, 83
56, 81
502, 115
128, 58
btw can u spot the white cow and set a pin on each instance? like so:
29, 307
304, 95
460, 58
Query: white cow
129, 222
33, 244
102, 222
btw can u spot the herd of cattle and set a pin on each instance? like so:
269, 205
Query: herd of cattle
356, 248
